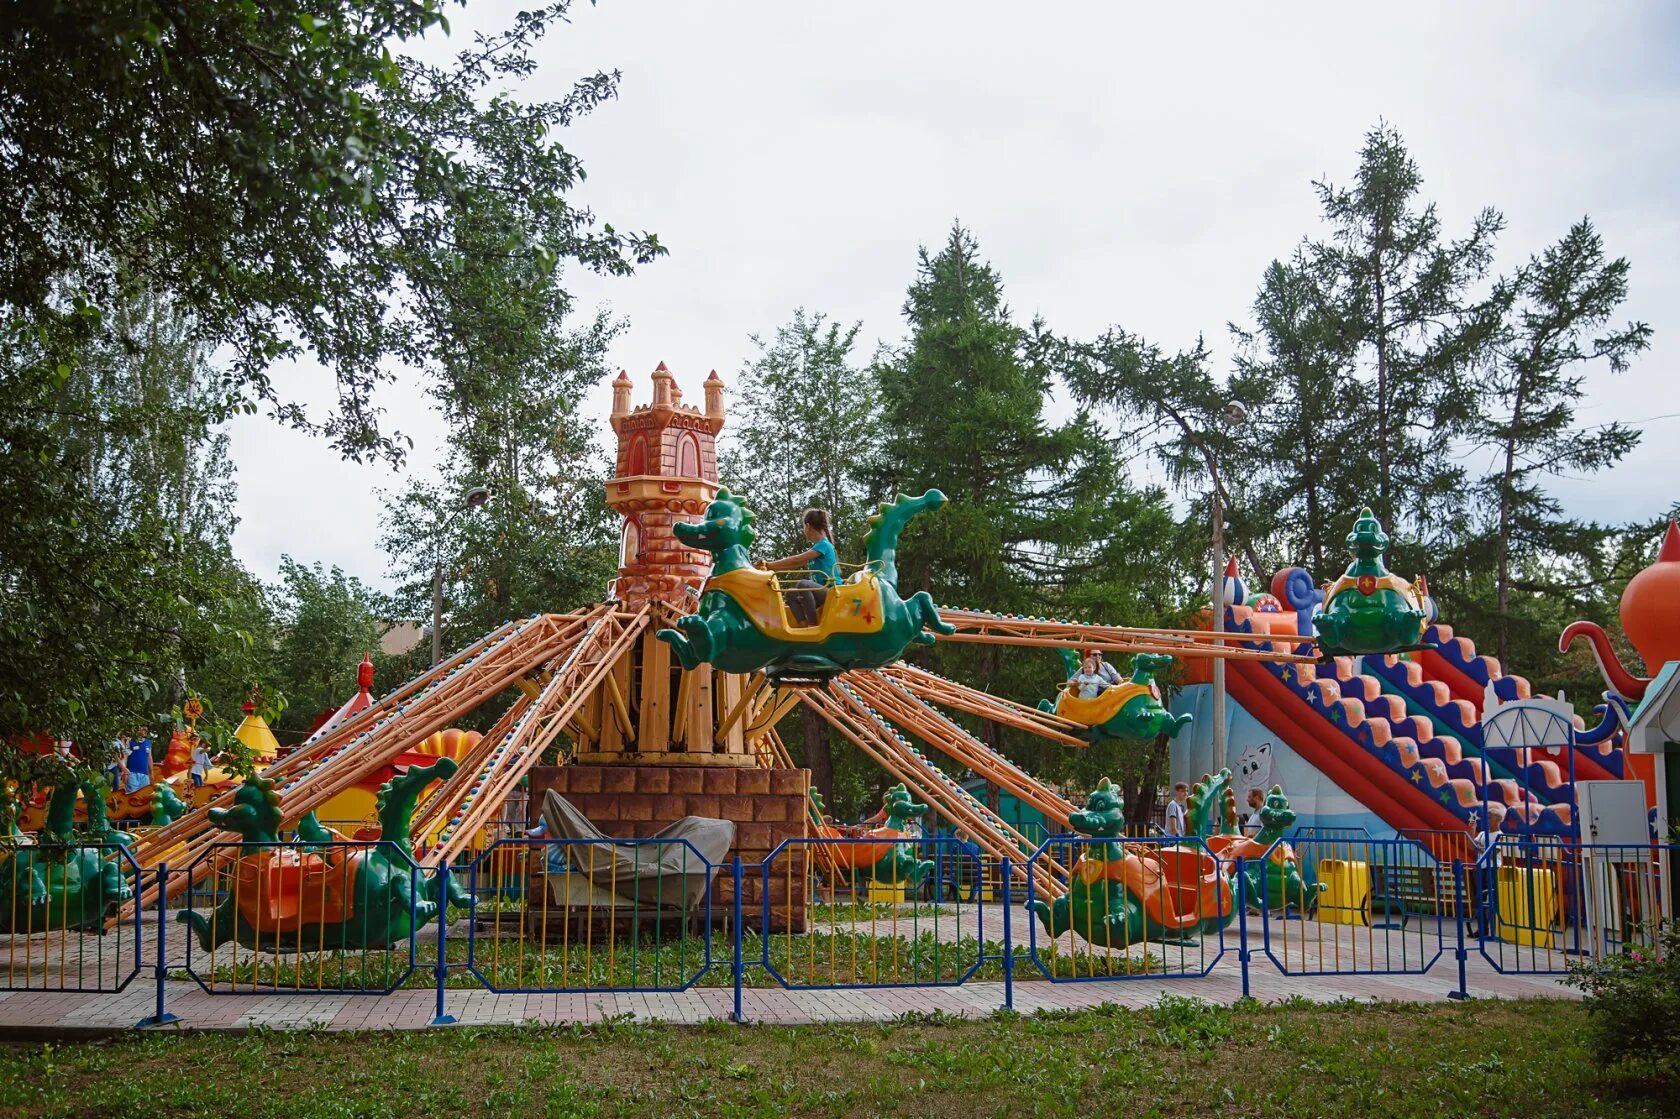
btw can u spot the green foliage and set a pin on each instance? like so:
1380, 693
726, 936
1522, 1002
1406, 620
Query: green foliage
1558, 303
1633, 1003
803, 425
1043, 518
1386, 365
116, 576
327, 621
257, 181
289, 175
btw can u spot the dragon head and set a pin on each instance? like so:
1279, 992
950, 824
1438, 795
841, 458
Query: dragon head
728, 524
900, 807
1276, 816
1368, 541
255, 814
167, 807
1104, 814
1146, 665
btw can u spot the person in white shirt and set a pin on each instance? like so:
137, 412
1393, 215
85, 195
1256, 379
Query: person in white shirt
200, 764
1256, 801
1088, 679
1178, 815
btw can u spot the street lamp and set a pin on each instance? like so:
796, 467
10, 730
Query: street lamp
472, 499
1234, 416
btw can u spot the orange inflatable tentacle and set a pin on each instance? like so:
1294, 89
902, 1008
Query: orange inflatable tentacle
1619, 679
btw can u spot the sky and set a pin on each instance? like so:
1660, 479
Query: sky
1131, 164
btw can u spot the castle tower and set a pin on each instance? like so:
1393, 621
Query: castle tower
666, 472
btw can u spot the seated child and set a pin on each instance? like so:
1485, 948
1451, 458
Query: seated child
820, 558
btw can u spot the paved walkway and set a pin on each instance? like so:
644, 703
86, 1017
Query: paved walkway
1301, 945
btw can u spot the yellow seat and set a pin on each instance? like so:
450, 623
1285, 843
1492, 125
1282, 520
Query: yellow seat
1100, 708
851, 607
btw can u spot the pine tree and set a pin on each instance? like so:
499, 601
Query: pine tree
1306, 404
1041, 517
1400, 300
1559, 302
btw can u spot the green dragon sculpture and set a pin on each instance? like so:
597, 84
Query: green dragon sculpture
1369, 610
1130, 711
743, 624
1211, 807
1272, 873
64, 881
1119, 898
898, 865
167, 806
305, 897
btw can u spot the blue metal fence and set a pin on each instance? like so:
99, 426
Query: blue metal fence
558, 915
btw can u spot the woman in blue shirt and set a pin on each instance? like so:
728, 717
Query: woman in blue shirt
820, 560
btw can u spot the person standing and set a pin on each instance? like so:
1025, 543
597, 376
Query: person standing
200, 764
1178, 814
1256, 801
139, 761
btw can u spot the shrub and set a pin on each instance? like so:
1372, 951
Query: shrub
1633, 1002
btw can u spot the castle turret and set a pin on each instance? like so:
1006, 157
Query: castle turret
667, 472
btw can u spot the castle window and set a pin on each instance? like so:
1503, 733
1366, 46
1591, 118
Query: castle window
638, 457
630, 548
688, 456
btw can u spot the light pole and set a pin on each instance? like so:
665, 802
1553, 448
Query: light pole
472, 499
1234, 416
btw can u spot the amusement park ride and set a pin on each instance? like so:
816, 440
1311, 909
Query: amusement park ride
668, 692
667, 695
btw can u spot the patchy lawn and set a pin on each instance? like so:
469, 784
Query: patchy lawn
1181, 1059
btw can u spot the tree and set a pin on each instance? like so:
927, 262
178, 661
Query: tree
543, 541
288, 181
285, 173
1041, 514
802, 430
327, 622
1305, 404
116, 577
1559, 302
1399, 299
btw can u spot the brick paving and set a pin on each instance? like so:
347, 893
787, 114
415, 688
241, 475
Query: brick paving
54, 1005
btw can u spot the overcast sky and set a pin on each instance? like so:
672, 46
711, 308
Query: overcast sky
1132, 164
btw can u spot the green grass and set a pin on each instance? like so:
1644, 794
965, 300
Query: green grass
1181, 1059
815, 959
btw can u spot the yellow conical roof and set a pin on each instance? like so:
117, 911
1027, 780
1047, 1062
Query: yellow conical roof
254, 732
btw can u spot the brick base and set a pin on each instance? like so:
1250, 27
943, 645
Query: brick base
767, 806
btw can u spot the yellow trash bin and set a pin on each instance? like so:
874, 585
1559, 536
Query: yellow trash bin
1346, 899
1527, 905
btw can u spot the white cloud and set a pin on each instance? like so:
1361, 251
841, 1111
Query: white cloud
1133, 164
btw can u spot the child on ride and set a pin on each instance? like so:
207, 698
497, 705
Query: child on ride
1088, 679
806, 600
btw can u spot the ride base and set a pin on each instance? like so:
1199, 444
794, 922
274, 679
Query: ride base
767, 806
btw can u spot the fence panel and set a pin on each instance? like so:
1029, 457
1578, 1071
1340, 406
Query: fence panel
559, 915
1152, 908
1353, 906
879, 913
58, 926
340, 916
1548, 902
